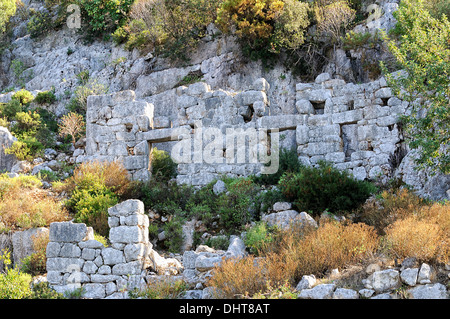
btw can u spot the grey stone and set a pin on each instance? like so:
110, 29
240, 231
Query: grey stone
343, 293
383, 280
307, 282
67, 232
128, 234
366, 293
93, 244
236, 248
189, 258
207, 262
7, 161
112, 256
409, 276
281, 219
53, 249
70, 250
90, 267
424, 275
322, 78
323, 291
22, 243
94, 291
219, 187
429, 291
131, 268
280, 206
304, 107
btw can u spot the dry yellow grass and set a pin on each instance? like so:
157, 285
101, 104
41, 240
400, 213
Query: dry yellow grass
424, 235
113, 175
332, 245
24, 205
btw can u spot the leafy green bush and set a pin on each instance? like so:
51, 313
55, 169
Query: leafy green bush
321, 188
288, 162
422, 50
40, 23
42, 290
264, 27
93, 188
102, 16
257, 237
46, 97
172, 27
91, 207
174, 233
13, 283
10, 109
7, 10
237, 207
36, 263
23, 96
163, 167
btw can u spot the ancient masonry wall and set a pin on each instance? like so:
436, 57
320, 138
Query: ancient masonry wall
354, 126
76, 260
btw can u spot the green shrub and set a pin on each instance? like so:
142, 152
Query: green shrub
42, 290
40, 23
92, 87
288, 162
218, 242
7, 10
46, 97
10, 109
161, 288
163, 167
321, 188
172, 27
264, 27
36, 263
102, 16
236, 208
174, 234
257, 237
25, 149
91, 207
23, 96
93, 188
13, 283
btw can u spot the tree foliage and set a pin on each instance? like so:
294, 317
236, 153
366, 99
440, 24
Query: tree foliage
264, 27
423, 51
7, 10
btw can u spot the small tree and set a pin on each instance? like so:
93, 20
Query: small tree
333, 18
7, 9
423, 52
71, 124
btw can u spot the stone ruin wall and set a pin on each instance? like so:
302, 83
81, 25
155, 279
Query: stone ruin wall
75, 259
354, 126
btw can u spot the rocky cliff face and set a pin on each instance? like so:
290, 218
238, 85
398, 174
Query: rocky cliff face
353, 125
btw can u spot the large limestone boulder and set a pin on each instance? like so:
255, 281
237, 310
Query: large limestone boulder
22, 243
7, 161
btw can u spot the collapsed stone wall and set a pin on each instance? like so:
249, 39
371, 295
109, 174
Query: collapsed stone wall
354, 126
76, 260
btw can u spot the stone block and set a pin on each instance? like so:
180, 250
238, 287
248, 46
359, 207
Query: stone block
304, 107
128, 234
112, 256
67, 232
347, 117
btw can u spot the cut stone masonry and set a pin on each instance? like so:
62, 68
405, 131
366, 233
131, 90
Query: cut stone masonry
76, 260
354, 126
